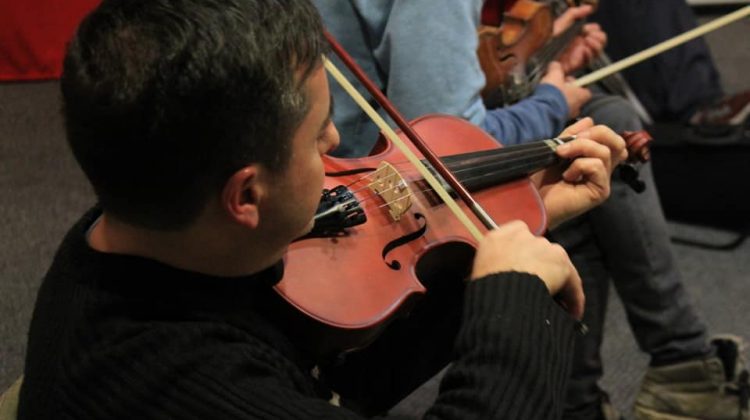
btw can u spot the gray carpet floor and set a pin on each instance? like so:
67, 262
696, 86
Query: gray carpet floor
42, 192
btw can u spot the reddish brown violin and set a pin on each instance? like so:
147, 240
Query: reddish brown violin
381, 232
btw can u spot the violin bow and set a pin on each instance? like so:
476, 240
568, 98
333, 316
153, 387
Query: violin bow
663, 46
431, 157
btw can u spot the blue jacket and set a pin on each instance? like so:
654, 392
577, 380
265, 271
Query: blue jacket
422, 53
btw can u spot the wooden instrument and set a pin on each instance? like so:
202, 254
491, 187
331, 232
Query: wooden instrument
507, 46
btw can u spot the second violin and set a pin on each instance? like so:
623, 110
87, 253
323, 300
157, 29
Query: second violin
509, 38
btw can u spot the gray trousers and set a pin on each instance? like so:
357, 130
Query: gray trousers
626, 240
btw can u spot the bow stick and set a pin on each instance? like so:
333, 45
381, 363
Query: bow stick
662, 46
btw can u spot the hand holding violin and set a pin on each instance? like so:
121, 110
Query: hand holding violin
586, 46
512, 247
575, 96
585, 183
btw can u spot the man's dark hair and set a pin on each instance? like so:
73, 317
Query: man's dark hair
165, 99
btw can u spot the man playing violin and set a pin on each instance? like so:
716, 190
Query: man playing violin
423, 55
202, 126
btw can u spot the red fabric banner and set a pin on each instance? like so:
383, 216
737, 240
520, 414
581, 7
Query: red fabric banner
33, 36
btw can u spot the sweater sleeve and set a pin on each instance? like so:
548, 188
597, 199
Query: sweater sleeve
512, 353
510, 345
511, 361
540, 116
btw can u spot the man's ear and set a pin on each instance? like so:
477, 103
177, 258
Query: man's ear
242, 195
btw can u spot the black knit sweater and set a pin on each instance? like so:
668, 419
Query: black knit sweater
122, 337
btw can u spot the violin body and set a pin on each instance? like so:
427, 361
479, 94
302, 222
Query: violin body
505, 50
516, 47
351, 284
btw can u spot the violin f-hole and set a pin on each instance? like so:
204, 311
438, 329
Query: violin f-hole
390, 246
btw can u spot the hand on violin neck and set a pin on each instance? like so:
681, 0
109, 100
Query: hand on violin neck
575, 96
569, 17
587, 42
512, 247
585, 183
584, 48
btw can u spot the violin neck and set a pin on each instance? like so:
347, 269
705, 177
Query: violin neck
554, 48
487, 168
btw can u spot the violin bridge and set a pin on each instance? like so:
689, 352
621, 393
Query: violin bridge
391, 186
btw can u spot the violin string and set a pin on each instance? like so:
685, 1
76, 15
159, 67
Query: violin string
553, 48
545, 56
412, 192
368, 175
528, 154
510, 156
509, 160
367, 188
369, 185
509, 166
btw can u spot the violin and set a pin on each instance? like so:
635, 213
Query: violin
509, 39
378, 218
382, 217
517, 45
502, 89
614, 83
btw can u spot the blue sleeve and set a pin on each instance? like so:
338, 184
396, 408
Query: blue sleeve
541, 115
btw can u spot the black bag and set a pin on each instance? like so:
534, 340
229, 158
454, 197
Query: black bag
703, 180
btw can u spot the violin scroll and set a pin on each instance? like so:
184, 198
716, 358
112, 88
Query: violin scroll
637, 143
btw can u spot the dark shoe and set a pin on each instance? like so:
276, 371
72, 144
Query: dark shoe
712, 388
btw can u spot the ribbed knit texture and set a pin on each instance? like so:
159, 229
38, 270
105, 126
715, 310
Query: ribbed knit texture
512, 353
122, 337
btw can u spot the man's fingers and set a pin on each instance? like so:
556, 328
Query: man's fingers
579, 126
604, 135
569, 16
595, 44
583, 146
591, 170
554, 66
572, 295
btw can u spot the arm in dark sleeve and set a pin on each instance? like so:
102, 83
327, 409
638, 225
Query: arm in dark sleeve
509, 342
513, 353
